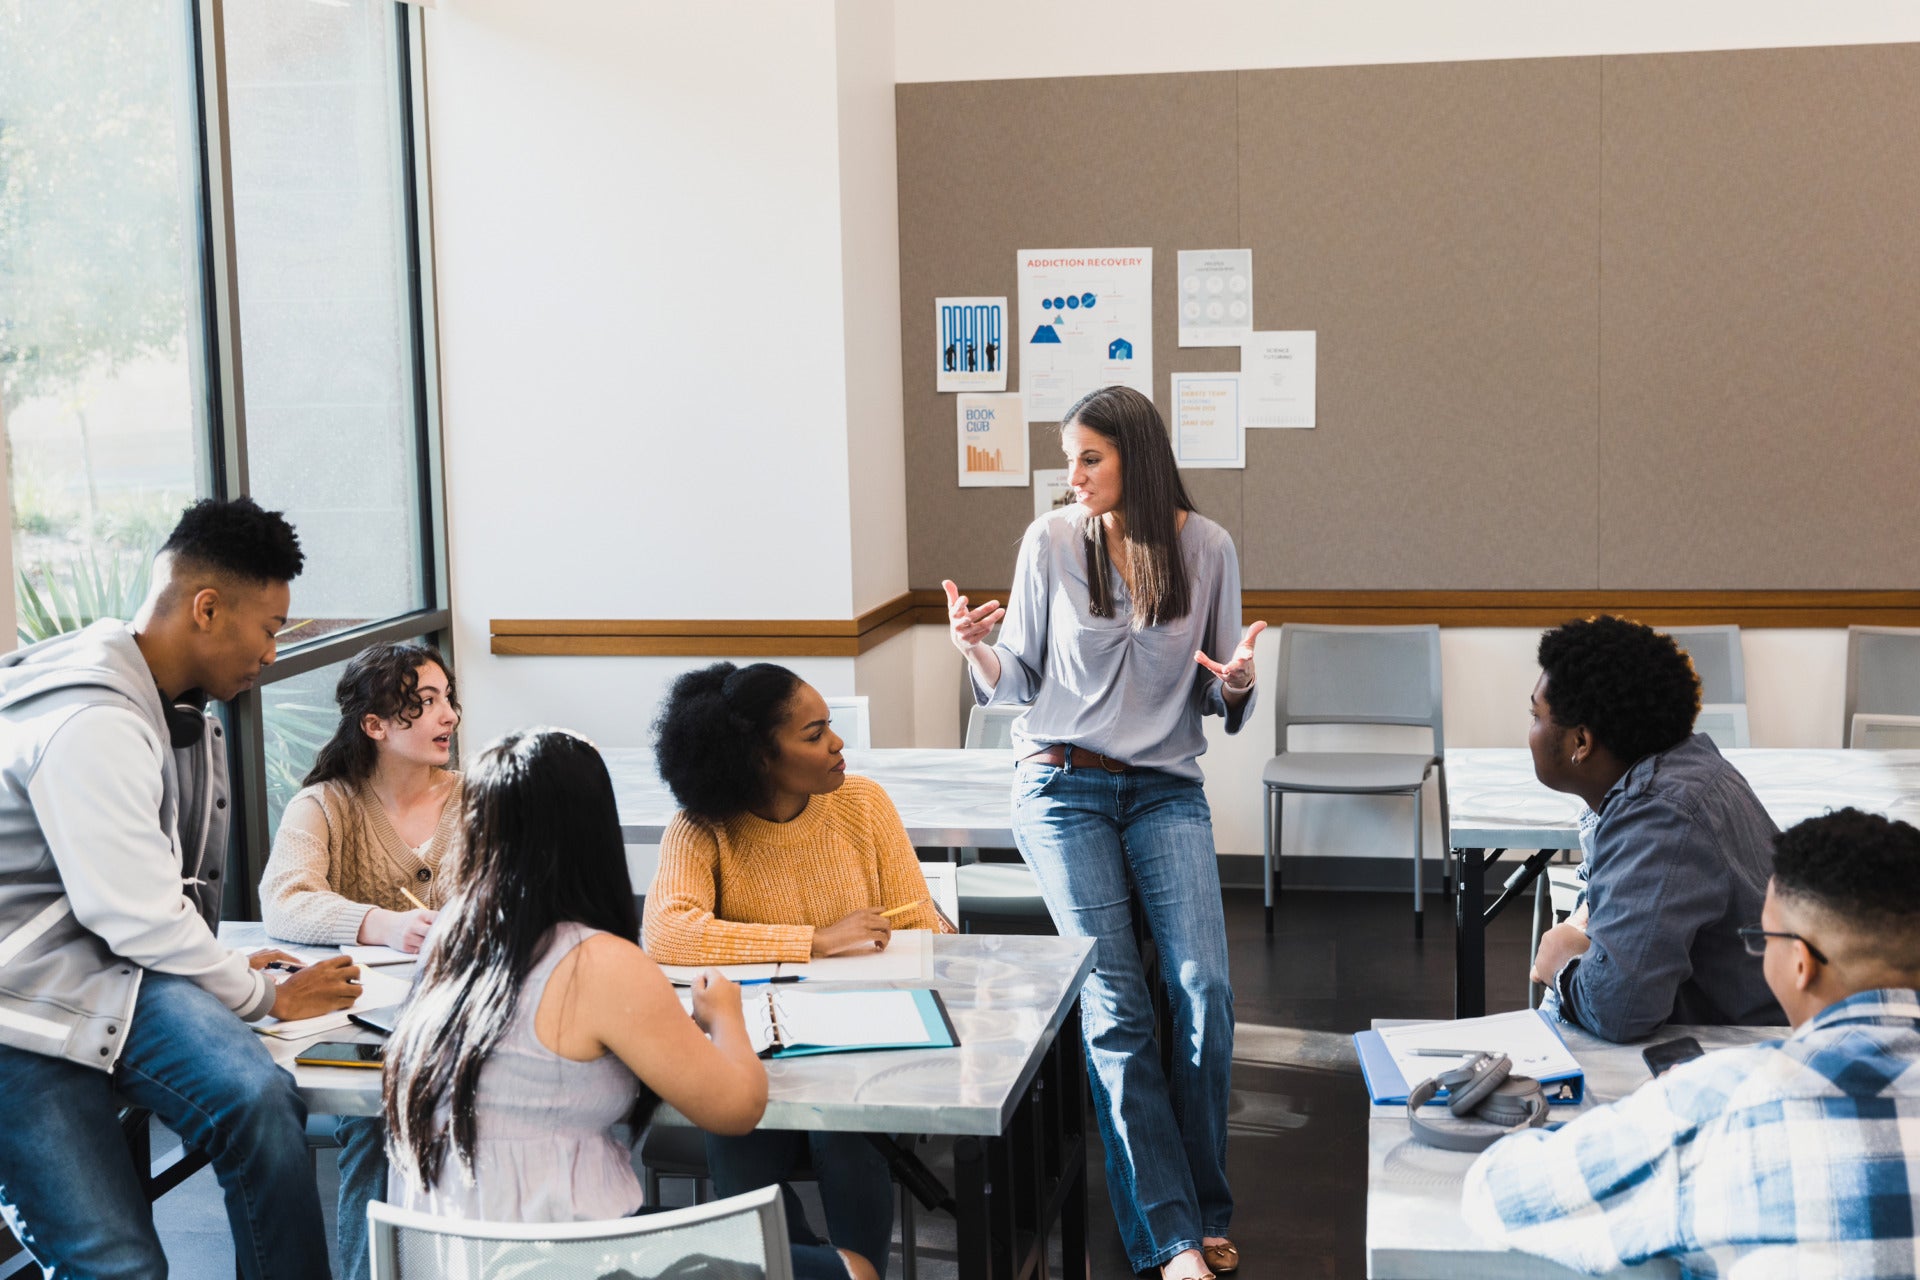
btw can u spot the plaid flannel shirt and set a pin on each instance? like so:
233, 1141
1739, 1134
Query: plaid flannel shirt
1798, 1157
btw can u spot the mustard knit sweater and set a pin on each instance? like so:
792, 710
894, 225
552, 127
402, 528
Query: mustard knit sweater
318, 888
748, 891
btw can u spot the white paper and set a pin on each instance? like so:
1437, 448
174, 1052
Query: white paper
1277, 371
1521, 1034
1085, 322
970, 344
377, 990
1206, 421
991, 431
1050, 491
1216, 296
854, 1019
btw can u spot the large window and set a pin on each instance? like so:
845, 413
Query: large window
213, 281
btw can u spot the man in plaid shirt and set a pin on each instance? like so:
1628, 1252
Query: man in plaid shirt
1798, 1157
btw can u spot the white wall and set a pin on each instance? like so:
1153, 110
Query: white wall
667, 268
1010, 39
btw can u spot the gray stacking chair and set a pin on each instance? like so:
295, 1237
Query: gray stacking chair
1884, 733
1355, 676
743, 1238
1717, 659
1883, 673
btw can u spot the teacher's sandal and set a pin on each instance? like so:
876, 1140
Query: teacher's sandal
1223, 1257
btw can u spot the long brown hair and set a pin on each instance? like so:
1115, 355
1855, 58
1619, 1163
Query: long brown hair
1152, 496
542, 847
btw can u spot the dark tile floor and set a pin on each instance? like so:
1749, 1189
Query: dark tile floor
1298, 1125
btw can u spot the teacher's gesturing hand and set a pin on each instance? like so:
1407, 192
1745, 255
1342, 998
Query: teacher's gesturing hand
1237, 672
970, 628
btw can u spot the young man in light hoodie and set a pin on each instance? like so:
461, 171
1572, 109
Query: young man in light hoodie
113, 986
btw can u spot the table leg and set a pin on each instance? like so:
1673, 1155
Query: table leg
1070, 1101
1470, 937
972, 1251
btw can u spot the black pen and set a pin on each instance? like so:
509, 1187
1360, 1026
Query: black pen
784, 977
284, 965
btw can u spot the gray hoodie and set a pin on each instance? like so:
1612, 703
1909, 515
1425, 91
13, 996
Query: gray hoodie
111, 848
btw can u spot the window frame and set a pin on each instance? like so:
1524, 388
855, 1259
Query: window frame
251, 841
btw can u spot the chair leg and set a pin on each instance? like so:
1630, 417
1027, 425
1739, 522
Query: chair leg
650, 1185
1542, 911
909, 1258
1419, 866
1267, 876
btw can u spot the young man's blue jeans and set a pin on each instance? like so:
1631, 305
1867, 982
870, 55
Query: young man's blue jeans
856, 1187
1093, 839
69, 1189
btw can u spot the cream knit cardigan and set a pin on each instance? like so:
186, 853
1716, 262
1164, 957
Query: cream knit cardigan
316, 892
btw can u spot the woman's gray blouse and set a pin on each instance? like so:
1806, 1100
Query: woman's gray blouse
1097, 683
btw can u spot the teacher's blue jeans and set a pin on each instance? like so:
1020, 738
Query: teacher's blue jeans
1093, 839
69, 1189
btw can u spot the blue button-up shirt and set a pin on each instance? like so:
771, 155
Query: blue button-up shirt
1680, 857
1798, 1157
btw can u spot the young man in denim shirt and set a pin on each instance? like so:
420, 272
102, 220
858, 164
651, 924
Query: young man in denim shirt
1680, 846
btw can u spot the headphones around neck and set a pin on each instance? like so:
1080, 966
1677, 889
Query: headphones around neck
1484, 1093
186, 720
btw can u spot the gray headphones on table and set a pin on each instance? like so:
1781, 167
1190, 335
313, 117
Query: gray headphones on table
1482, 1091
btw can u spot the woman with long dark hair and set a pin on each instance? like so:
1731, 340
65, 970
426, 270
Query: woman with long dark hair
537, 1025
1122, 632
359, 854
779, 854
361, 845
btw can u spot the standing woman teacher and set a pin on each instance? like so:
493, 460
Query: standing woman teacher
1122, 631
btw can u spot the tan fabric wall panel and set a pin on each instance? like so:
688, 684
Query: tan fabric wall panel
1631, 323
988, 169
1760, 331
1436, 224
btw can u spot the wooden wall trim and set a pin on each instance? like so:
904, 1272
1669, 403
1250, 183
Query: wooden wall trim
847, 638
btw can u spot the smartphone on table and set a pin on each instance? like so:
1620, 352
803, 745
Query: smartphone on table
1670, 1053
338, 1053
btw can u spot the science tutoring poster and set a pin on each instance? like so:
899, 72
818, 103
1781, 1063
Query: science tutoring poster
992, 433
1086, 322
970, 344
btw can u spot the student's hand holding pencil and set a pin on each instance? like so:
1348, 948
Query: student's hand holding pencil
865, 929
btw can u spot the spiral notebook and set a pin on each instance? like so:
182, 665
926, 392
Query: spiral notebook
788, 1022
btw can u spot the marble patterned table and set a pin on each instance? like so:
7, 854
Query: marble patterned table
1414, 1227
1494, 804
1013, 1091
946, 797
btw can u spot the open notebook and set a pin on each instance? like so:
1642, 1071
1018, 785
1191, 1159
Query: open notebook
785, 1022
908, 958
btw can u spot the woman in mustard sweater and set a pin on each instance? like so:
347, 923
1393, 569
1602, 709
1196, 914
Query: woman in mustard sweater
778, 855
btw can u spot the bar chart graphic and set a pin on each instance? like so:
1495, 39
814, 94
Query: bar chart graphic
991, 432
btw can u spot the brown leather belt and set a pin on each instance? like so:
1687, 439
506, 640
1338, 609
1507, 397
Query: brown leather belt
1079, 757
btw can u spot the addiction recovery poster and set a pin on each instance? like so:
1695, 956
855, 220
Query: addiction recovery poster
1086, 322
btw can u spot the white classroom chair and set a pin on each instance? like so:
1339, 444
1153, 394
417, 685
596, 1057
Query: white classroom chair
995, 890
1721, 665
748, 1231
1884, 733
1725, 723
852, 721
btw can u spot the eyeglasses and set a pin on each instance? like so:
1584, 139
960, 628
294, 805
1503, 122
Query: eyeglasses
1755, 939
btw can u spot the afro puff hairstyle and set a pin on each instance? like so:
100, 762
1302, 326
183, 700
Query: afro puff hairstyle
1860, 867
1632, 687
715, 736
239, 538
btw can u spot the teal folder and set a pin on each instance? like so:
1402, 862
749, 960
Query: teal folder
796, 1023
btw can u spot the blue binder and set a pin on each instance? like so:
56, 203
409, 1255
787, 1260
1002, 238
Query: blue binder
1385, 1084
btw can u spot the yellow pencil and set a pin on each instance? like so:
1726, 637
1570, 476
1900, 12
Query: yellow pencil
408, 894
908, 907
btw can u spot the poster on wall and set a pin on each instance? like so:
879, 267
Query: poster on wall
1050, 491
1086, 322
970, 337
1207, 430
1278, 370
1216, 296
993, 441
